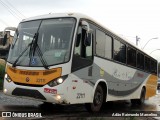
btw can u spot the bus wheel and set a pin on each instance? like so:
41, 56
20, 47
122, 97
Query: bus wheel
97, 101
142, 98
47, 104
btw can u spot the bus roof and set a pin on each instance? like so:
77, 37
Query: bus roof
56, 15
79, 16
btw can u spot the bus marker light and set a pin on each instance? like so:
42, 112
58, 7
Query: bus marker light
85, 81
74, 80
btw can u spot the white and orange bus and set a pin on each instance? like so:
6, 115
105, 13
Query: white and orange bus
71, 59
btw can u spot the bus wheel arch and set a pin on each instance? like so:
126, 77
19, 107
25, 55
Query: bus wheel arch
99, 97
141, 99
142, 96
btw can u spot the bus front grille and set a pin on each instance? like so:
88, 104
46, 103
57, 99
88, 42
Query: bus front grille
31, 85
28, 93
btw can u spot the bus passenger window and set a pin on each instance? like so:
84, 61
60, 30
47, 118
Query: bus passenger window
119, 51
108, 47
147, 64
153, 66
140, 61
100, 43
131, 56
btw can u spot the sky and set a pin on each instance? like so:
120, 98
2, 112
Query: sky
127, 18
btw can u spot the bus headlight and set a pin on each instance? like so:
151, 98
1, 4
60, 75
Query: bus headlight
60, 80
7, 78
57, 81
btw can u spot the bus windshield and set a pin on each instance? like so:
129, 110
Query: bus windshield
54, 37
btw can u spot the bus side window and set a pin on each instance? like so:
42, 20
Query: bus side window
82, 53
77, 49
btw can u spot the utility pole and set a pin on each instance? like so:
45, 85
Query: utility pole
137, 39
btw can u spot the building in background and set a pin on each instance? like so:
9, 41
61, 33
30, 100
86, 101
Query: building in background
6, 37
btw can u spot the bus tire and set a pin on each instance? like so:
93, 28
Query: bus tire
97, 101
142, 98
47, 104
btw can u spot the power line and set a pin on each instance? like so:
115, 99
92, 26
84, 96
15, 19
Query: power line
10, 10
16, 9
140, 44
4, 22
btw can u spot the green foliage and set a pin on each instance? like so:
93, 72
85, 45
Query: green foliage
1, 84
2, 72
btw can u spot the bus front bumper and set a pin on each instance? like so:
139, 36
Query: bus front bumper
45, 93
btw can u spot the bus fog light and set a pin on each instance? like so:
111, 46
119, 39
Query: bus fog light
5, 76
5, 90
58, 97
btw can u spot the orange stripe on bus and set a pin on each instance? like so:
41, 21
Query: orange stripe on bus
34, 77
151, 86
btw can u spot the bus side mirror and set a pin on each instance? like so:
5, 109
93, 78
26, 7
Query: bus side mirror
78, 40
88, 36
85, 26
88, 39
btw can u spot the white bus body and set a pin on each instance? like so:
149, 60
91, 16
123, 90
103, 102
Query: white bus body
81, 73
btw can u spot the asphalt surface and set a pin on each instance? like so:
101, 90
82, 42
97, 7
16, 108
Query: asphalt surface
110, 111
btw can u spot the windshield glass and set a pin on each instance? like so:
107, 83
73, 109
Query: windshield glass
54, 42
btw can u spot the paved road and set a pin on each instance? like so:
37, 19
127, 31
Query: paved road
49, 111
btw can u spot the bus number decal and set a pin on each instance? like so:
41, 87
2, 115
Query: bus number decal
40, 80
80, 95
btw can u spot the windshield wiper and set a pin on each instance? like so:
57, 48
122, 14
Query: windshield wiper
15, 63
40, 55
33, 48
